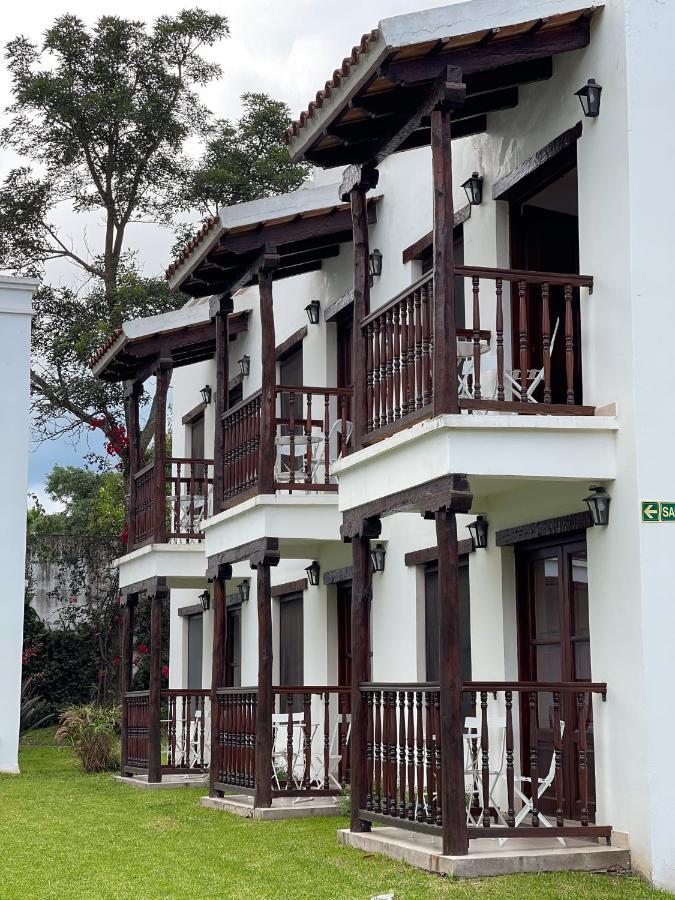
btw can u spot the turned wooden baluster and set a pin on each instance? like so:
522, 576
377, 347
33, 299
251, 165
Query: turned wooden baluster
485, 758
558, 752
411, 756
476, 339
421, 811
326, 442
343, 443
583, 701
534, 758
289, 741
307, 778
396, 354
419, 385
510, 789
176, 503
378, 751
370, 748
426, 347
383, 372
546, 340
569, 343
430, 749
401, 755
393, 742
369, 374
308, 440
326, 739
522, 319
193, 492
499, 326
376, 374
405, 379
411, 353
291, 411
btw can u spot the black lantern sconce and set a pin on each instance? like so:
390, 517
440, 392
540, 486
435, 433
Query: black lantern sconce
479, 533
312, 309
598, 503
206, 393
244, 590
313, 572
377, 558
375, 264
245, 365
205, 600
589, 97
474, 189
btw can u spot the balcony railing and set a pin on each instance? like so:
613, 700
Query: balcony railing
187, 488
543, 379
503, 755
312, 429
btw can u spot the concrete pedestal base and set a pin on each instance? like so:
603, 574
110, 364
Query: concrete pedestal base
282, 807
167, 783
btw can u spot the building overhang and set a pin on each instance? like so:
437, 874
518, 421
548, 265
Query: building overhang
178, 565
497, 44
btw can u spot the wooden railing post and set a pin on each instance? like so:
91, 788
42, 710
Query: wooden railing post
269, 377
220, 311
265, 707
218, 669
132, 393
126, 673
163, 375
155, 700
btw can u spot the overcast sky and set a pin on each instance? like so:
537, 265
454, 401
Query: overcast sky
287, 49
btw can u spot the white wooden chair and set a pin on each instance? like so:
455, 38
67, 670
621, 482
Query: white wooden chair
280, 745
534, 376
473, 729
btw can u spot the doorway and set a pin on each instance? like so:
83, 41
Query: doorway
291, 645
195, 645
233, 648
554, 646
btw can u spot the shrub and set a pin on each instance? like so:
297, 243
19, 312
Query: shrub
93, 732
35, 711
345, 801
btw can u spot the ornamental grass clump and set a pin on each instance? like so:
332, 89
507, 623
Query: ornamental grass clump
93, 732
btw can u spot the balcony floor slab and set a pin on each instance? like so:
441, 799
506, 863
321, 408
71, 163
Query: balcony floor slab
168, 782
486, 858
182, 565
282, 807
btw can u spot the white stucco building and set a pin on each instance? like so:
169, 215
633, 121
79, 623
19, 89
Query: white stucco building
15, 318
504, 364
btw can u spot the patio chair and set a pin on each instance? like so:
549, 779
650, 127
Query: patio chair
473, 729
534, 376
318, 460
280, 746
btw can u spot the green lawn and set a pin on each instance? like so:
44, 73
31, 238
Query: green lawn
67, 835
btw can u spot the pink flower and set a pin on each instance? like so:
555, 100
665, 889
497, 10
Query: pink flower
143, 649
165, 671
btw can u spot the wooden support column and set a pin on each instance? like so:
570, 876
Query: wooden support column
445, 398
453, 804
219, 593
155, 699
269, 375
132, 393
159, 488
126, 670
362, 594
263, 747
358, 180
220, 311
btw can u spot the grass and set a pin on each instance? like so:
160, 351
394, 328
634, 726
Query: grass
68, 835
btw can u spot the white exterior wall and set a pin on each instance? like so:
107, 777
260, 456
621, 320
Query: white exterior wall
15, 318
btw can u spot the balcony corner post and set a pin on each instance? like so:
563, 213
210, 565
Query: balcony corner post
160, 593
265, 706
126, 670
269, 375
163, 376
223, 575
132, 393
220, 312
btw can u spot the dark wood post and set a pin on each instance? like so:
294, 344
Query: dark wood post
445, 339
455, 838
218, 667
265, 707
159, 492
132, 392
155, 699
362, 594
126, 672
269, 377
220, 311
357, 182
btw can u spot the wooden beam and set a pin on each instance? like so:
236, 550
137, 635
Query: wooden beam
155, 698
430, 554
509, 76
445, 399
337, 576
222, 324
291, 343
265, 701
361, 309
218, 670
185, 612
358, 178
260, 546
132, 395
126, 671
159, 480
269, 379
551, 157
166, 344
289, 587
450, 491
147, 586
424, 244
340, 305
533, 531
362, 593
194, 414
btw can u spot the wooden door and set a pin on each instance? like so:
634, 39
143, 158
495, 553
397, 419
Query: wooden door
554, 645
291, 645
197, 445
344, 613
195, 652
233, 648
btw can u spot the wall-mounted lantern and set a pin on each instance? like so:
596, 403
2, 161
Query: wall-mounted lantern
378, 556
474, 189
244, 590
245, 365
205, 600
206, 393
312, 309
479, 533
313, 572
375, 263
598, 503
589, 97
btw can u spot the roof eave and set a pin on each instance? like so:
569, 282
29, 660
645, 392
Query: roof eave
194, 259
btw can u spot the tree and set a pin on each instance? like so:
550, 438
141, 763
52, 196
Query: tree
100, 119
246, 160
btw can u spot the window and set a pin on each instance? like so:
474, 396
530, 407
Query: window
291, 644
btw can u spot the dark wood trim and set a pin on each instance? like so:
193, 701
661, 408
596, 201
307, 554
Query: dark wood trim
527, 831
159, 481
450, 492
233, 600
291, 343
265, 705
340, 305
338, 576
528, 409
409, 825
126, 671
195, 610
240, 553
149, 586
196, 413
289, 587
517, 183
234, 382
430, 554
362, 595
424, 244
560, 525
155, 694
219, 646
361, 308
267, 450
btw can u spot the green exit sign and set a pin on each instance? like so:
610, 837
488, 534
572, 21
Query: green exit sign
657, 511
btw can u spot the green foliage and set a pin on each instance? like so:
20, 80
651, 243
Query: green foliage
35, 712
246, 160
93, 732
93, 505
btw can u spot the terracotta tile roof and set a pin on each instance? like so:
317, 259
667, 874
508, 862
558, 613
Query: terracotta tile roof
338, 76
100, 353
208, 226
